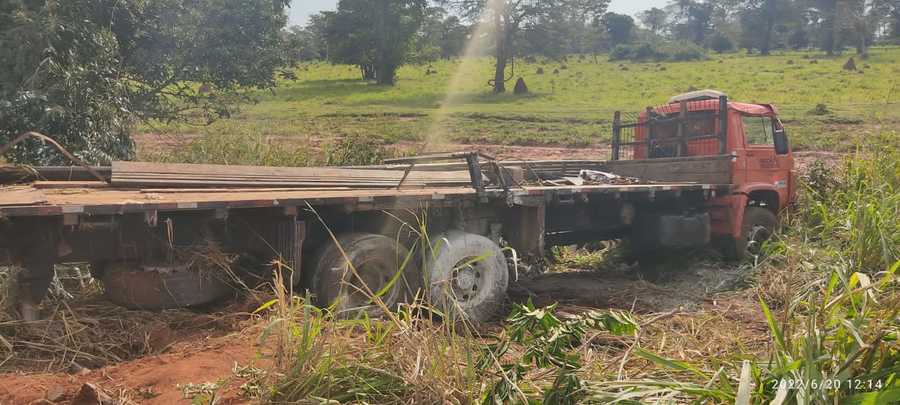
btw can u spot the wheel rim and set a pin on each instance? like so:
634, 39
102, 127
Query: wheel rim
755, 238
467, 279
376, 275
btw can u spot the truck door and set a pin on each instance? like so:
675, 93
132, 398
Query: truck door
764, 164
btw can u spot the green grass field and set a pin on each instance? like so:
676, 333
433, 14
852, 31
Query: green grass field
573, 107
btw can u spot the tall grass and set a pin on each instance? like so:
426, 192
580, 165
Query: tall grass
259, 150
833, 328
835, 339
411, 359
855, 209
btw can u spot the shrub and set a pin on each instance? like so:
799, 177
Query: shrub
685, 51
721, 43
621, 52
647, 52
671, 51
253, 150
798, 39
355, 150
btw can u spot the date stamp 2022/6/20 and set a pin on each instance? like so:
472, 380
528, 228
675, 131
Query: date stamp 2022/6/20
831, 384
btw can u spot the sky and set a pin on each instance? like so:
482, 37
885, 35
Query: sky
301, 9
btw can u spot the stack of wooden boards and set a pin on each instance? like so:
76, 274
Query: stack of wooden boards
138, 174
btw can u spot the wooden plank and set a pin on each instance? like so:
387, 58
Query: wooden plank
208, 182
152, 176
184, 183
21, 195
69, 184
711, 170
119, 168
236, 190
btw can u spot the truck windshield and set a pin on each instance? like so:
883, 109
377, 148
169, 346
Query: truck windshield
758, 130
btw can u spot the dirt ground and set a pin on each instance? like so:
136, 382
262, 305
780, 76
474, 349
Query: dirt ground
700, 292
148, 380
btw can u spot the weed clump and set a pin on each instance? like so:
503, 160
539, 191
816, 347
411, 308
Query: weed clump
819, 109
355, 150
853, 209
234, 149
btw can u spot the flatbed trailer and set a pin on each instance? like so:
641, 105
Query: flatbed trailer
340, 243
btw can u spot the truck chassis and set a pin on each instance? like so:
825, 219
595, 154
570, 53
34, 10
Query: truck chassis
340, 242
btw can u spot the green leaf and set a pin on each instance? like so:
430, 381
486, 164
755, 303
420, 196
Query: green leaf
773, 325
671, 364
883, 397
265, 306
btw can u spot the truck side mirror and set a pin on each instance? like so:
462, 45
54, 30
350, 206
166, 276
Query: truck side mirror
781, 141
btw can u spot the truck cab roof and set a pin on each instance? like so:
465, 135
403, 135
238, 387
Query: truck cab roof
707, 100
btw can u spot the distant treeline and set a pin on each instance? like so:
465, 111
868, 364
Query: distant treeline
359, 31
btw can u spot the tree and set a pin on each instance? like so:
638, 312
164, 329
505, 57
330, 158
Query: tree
861, 17
758, 20
301, 44
441, 36
693, 20
374, 34
770, 12
572, 27
798, 39
829, 24
83, 71
619, 28
894, 20
506, 18
453, 37
307, 42
654, 19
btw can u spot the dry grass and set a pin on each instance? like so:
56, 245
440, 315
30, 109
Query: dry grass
88, 332
82, 329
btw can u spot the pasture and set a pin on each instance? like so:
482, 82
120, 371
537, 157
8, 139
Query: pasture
570, 104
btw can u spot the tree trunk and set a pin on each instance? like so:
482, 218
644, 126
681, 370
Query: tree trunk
769, 14
368, 71
500, 76
500, 67
862, 48
766, 40
387, 74
830, 27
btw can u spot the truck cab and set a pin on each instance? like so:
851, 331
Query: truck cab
703, 127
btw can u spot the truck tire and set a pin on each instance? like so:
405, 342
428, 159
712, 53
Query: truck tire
758, 225
161, 287
377, 259
468, 275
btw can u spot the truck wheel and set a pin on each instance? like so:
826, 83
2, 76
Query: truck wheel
377, 259
155, 287
758, 225
469, 275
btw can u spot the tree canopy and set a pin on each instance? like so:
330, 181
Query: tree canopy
376, 35
83, 71
507, 18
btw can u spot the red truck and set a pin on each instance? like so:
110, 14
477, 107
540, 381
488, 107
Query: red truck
697, 170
